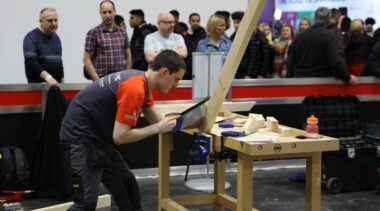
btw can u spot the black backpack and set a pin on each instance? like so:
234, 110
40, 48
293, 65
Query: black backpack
14, 169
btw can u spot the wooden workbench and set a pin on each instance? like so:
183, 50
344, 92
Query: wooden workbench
248, 150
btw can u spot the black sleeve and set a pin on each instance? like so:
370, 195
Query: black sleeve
372, 67
30, 55
34, 66
336, 63
251, 52
290, 61
265, 51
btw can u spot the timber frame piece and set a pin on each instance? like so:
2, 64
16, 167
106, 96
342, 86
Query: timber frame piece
246, 28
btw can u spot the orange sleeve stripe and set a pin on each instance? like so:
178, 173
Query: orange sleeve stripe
130, 99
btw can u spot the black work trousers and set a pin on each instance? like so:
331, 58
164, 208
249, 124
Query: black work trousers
116, 177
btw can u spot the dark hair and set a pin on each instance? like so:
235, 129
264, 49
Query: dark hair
194, 14
138, 12
370, 20
238, 15
118, 19
224, 14
104, 1
345, 25
322, 16
169, 59
175, 13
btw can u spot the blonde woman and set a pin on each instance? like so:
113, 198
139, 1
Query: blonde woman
358, 48
215, 41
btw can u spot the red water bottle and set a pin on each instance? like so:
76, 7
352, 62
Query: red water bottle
312, 127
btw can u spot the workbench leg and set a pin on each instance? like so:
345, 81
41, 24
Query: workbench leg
313, 182
164, 146
219, 180
244, 182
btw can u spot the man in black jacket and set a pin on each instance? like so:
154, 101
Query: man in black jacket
255, 61
315, 52
140, 30
372, 67
179, 27
194, 34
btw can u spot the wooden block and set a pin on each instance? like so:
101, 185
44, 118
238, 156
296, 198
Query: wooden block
249, 124
240, 120
272, 124
258, 120
104, 202
285, 131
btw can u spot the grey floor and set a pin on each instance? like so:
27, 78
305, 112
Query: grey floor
273, 189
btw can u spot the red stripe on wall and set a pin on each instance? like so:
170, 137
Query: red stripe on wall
30, 98
303, 90
174, 94
20, 98
70, 94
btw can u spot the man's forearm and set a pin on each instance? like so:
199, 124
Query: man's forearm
124, 135
90, 69
182, 51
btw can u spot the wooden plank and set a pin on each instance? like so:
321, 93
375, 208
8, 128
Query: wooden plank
170, 205
313, 182
219, 178
104, 201
244, 182
226, 201
195, 199
165, 141
243, 35
170, 107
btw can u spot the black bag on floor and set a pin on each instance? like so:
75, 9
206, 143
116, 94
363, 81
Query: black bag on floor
14, 169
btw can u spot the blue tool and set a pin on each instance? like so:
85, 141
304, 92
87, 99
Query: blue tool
191, 117
202, 145
229, 125
179, 121
233, 133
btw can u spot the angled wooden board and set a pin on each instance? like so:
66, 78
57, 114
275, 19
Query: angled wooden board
240, 43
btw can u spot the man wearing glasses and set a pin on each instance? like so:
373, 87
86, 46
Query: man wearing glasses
164, 39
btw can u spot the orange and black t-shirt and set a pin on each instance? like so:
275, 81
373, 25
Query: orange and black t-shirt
116, 97
130, 98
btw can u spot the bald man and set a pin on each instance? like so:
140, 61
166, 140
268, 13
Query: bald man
164, 39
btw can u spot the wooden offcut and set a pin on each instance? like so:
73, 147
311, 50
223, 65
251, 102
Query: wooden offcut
272, 124
240, 43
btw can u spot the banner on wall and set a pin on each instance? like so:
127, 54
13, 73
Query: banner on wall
355, 8
310, 5
294, 10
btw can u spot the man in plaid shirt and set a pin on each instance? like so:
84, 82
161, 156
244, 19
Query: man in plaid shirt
107, 46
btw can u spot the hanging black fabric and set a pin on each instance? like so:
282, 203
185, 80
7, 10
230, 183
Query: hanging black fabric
51, 176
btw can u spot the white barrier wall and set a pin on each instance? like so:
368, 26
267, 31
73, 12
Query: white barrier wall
18, 17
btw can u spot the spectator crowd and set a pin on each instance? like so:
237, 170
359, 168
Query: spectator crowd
332, 46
